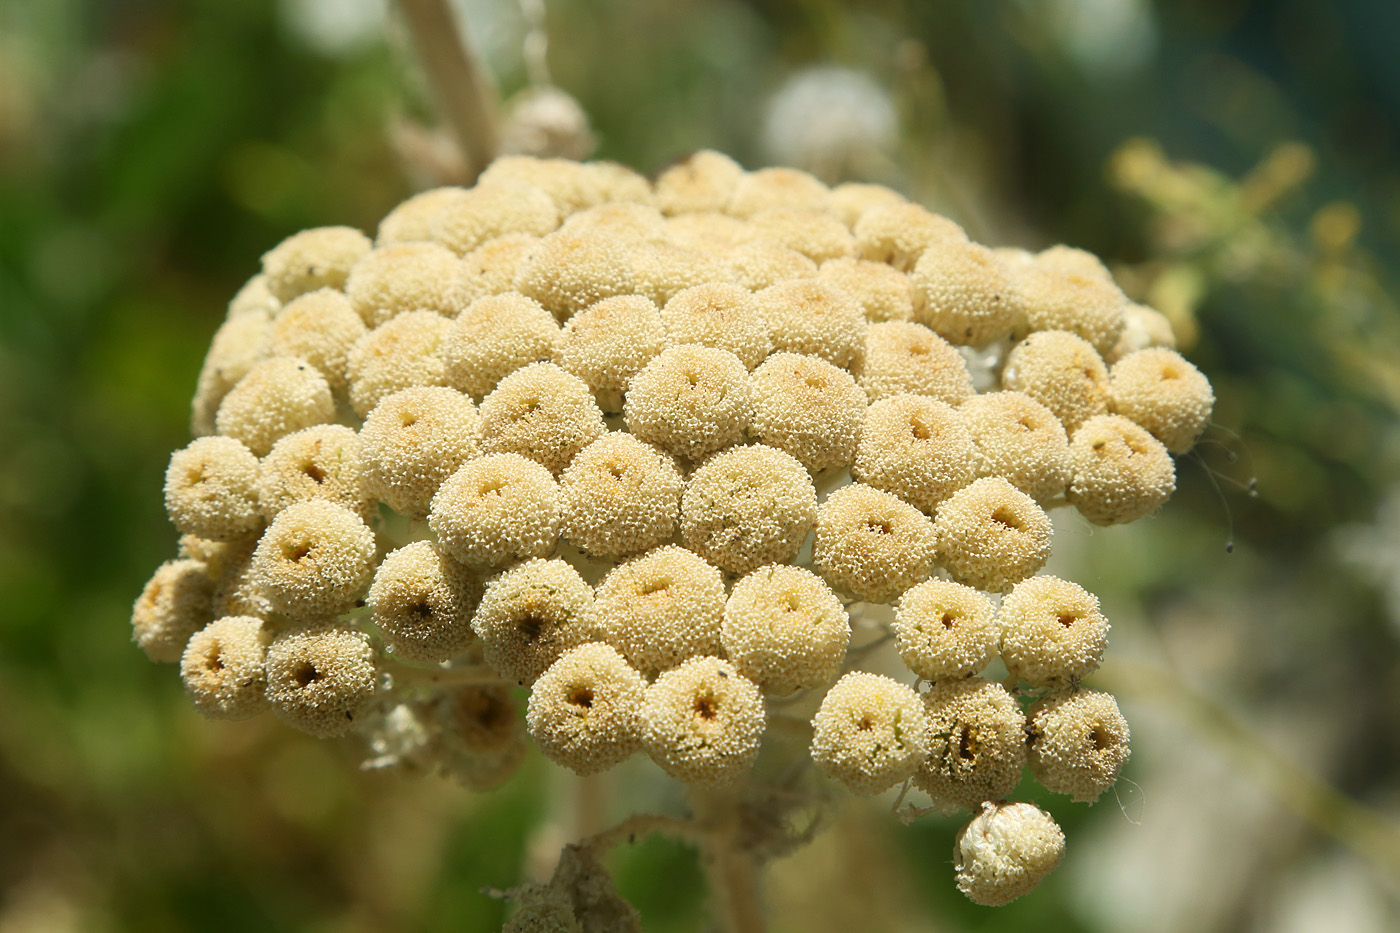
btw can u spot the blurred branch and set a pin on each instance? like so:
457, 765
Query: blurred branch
465, 92
1369, 833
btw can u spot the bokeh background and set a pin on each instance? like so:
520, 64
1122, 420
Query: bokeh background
1234, 160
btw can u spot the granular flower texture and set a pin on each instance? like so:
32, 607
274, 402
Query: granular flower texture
595, 436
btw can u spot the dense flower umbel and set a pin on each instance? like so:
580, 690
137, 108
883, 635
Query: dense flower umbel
577, 432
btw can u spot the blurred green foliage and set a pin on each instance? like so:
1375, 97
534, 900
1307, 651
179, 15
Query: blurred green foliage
151, 151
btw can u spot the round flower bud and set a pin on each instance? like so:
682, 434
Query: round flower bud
541, 412
1159, 390
607, 344
319, 327
497, 262
1062, 372
748, 507
614, 181
585, 711
660, 271
991, 535
850, 200
784, 629
1054, 296
871, 545
884, 292
223, 668
721, 315
532, 614
1052, 632
413, 441
690, 401
977, 743
571, 185
759, 264
628, 220
1143, 329
870, 733
1121, 472
917, 448
906, 358
660, 609
809, 408
211, 489
770, 188
1005, 852
816, 318
320, 679
315, 559
703, 181
412, 220
474, 216
410, 277
702, 722
236, 348
1071, 259
566, 272
312, 259
322, 462
962, 293
423, 603
898, 234
482, 741
403, 352
946, 630
278, 396
1079, 743
707, 231
254, 298
621, 497
174, 604
1020, 440
815, 234
494, 337
497, 509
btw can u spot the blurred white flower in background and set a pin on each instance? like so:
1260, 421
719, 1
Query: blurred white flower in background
334, 27
546, 122
829, 121
1103, 37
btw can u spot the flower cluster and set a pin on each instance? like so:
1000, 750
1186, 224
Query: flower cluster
648, 449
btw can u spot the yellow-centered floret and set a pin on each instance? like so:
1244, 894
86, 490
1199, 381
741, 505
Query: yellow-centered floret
906, 358
759, 264
991, 535
585, 711
608, 343
1020, 440
470, 218
530, 615
1052, 632
1120, 472
721, 315
411, 277
917, 448
567, 272
403, 352
661, 609
1062, 372
884, 292
748, 507
312, 259
897, 234
785, 629
211, 489
871, 544
413, 441
497, 509
277, 396
621, 497
870, 733
815, 234
423, 602
494, 337
320, 679
223, 668
541, 412
703, 181
816, 318
1079, 743
963, 293
809, 408
852, 199
315, 560
319, 327
1055, 295
1159, 390
702, 722
770, 188
322, 462
174, 604
690, 401
412, 221
946, 630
